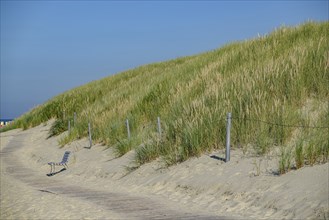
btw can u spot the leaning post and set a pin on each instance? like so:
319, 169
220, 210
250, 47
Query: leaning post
228, 136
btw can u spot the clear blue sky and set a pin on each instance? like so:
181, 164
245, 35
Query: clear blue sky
48, 47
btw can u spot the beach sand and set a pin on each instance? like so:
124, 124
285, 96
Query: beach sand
98, 185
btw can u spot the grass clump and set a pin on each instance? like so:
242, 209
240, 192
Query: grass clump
285, 160
124, 146
299, 155
148, 151
58, 127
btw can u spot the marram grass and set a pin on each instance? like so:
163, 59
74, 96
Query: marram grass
266, 79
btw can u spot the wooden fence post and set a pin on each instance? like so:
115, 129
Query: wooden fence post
74, 119
159, 127
128, 129
89, 133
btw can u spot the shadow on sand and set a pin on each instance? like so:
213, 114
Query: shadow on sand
53, 174
217, 158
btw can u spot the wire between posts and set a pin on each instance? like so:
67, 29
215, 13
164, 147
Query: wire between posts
280, 125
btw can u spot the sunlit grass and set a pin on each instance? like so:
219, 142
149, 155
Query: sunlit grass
269, 78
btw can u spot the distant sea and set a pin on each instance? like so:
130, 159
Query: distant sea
6, 119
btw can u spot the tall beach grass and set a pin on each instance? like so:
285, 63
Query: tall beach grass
266, 79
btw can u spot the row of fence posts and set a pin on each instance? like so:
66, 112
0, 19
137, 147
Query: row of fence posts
158, 127
227, 142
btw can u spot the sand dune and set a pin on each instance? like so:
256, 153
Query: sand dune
99, 186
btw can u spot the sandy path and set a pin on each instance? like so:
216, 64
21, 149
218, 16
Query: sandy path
57, 196
98, 185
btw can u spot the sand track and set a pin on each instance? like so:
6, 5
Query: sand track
124, 205
98, 185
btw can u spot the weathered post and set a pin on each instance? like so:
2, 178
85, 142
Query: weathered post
159, 127
89, 133
228, 136
69, 126
128, 129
